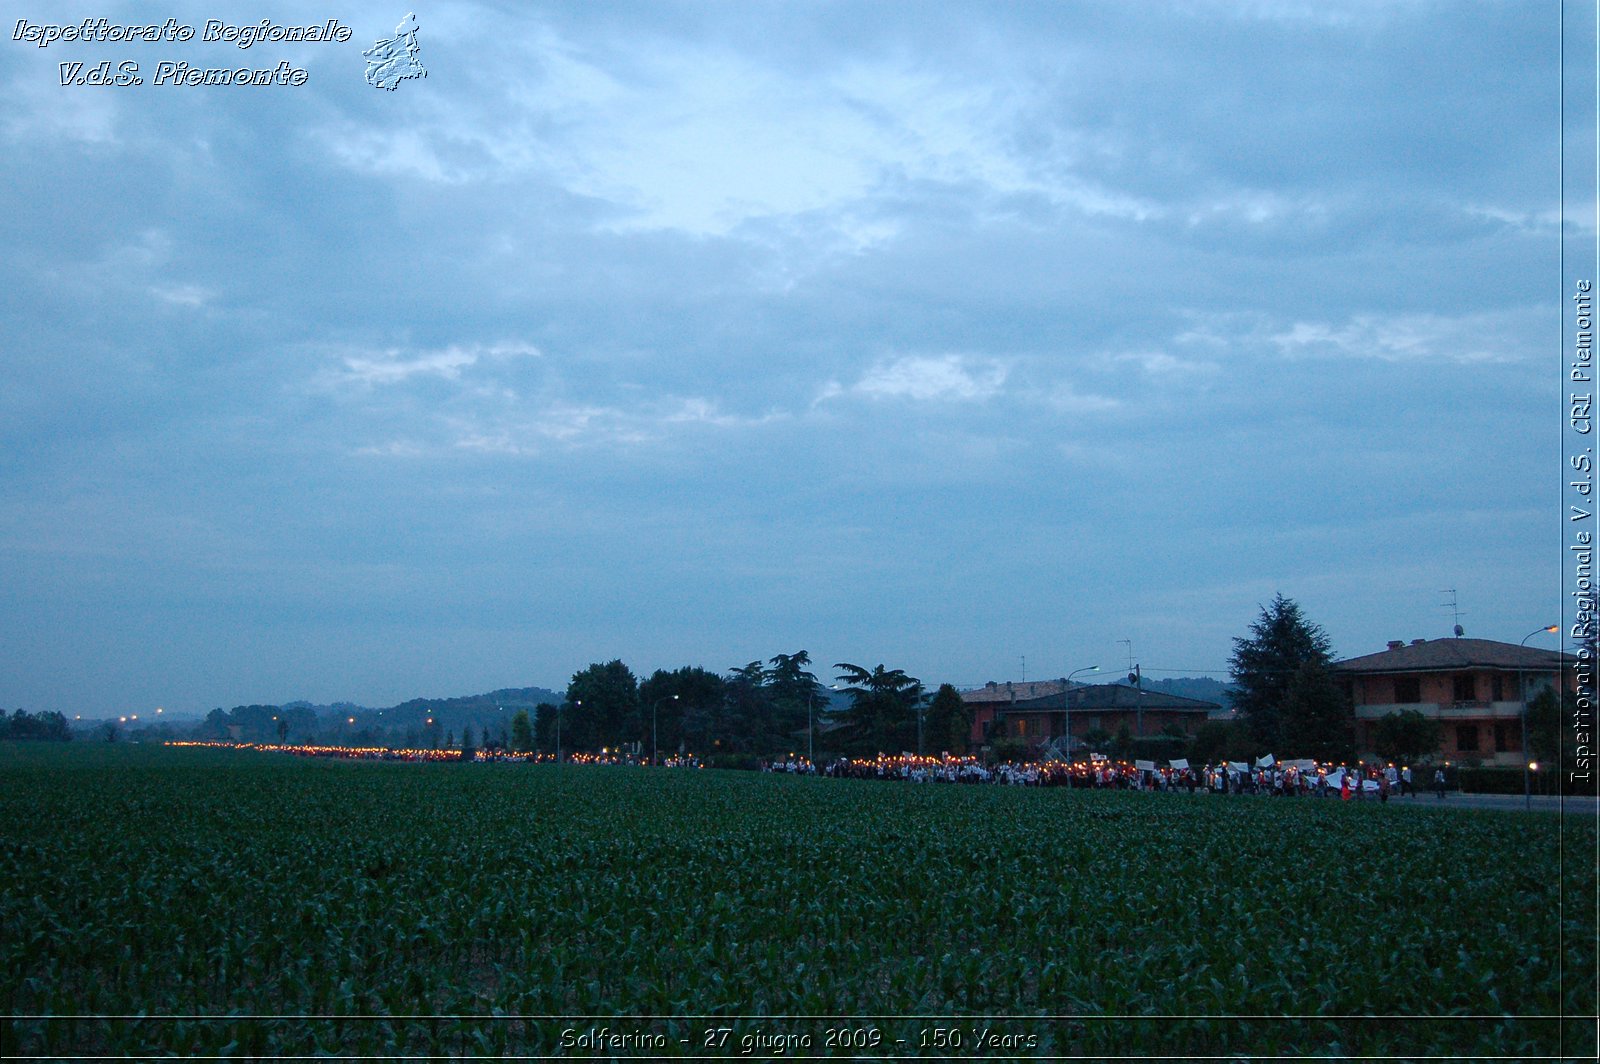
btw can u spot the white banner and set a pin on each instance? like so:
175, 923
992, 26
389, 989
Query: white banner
1265, 761
1179, 763
1238, 766
1145, 766
1304, 764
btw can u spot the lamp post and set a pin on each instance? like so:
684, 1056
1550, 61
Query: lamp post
1522, 689
811, 724
653, 707
1066, 704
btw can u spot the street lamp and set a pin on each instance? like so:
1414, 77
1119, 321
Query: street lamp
811, 725
653, 707
1522, 689
1066, 704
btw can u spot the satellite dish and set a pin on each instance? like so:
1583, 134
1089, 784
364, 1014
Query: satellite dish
1460, 631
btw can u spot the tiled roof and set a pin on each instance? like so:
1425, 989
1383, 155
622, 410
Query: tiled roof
1444, 654
1046, 694
1009, 691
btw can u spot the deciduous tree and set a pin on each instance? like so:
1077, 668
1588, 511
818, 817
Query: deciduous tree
1406, 737
603, 707
692, 720
1318, 719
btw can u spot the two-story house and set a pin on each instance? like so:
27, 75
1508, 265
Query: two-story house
1477, 689
1038, 711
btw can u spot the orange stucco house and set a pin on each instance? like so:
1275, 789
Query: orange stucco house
1477, 689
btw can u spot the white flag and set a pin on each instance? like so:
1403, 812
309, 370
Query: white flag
1265, 761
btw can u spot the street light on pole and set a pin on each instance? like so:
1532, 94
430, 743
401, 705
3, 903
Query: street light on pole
1522, 689
811, 723
653, 707
1066, 704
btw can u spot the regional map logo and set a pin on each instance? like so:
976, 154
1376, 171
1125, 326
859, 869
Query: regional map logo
391, 61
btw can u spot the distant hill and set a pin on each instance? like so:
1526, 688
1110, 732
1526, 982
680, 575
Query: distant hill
1202, 687
492, 701
419, 721
505, 698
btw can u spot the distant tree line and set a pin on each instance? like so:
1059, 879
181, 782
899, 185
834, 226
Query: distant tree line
49, 726
1282, 685
762, 709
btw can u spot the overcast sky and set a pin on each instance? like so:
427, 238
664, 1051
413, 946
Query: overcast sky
936, 335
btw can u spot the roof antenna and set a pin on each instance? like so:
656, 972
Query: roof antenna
1455, 610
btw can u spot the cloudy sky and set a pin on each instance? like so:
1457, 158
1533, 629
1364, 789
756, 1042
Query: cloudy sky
941, 335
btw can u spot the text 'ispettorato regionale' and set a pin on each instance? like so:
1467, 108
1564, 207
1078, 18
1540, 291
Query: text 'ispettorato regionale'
178, 72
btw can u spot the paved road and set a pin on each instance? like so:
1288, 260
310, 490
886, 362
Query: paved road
1575, 806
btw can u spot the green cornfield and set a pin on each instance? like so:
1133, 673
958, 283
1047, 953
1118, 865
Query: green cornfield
209, 902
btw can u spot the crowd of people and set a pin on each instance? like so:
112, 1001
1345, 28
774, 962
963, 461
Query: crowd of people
1265, 777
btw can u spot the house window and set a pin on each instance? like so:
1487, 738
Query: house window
1407, 690
1466, 687
1497, 690
1504, 736
1467, 738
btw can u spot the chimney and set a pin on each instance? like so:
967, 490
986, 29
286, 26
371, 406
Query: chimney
1396, 644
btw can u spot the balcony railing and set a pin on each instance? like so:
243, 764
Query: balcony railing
1446, 710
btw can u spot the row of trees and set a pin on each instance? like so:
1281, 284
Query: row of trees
49, 726
760, 709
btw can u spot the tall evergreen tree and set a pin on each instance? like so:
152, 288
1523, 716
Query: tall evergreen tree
749, 723
544, 727
521, 732
1318, 719
948, 726
793, 691
1264, 667
884, 704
